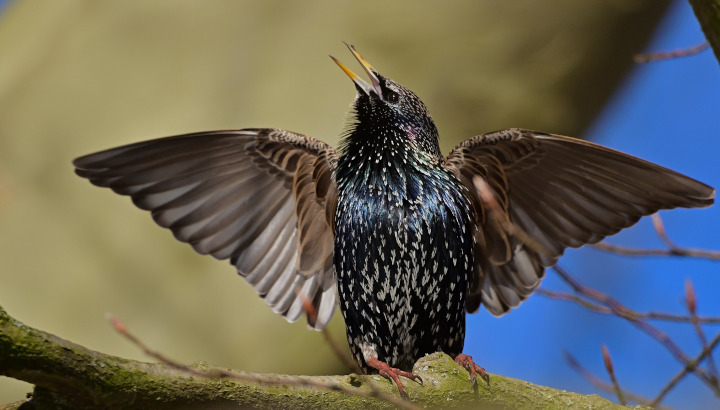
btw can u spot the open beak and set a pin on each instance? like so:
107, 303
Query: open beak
359, 82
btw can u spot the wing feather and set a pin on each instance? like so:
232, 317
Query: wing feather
263, 198
563, 192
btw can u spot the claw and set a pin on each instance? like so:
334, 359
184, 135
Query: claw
468, 363
394, 374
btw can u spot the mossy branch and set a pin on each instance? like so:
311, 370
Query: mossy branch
67, 375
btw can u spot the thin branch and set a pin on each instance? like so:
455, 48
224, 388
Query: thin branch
660, 230
500, 217
689, 367
604, 386
640, 323
611, 372
671, 250
691, 302
620, 310
221, 373
611, 306
340, 353
553, 294
669, 55
686, 252
311, 312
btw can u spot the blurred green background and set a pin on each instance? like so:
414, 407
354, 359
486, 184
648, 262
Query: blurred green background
78, 76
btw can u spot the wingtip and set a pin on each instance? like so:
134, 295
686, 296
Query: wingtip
704, 199
711, 198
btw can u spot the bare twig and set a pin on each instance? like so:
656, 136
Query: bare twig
340, 353
500, 218
668, 55
691, 302
602, 385
671, 250
221, 373
620, 310
611, 373
687, 252
603, 302
660, 230
552, 294
311, 312
689, 367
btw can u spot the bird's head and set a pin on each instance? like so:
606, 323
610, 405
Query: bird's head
384, 108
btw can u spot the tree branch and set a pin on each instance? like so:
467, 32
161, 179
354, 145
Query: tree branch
708, 14
67, 375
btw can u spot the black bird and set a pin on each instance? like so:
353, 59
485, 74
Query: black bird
403, 240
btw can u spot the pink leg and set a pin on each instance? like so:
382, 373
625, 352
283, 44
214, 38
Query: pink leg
467, 362
393, 374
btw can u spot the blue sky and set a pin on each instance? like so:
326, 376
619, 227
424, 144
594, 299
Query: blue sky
666, 112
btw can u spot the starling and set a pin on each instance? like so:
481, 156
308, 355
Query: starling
403, 239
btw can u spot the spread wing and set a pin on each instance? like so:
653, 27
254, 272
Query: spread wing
561, 191
263, 198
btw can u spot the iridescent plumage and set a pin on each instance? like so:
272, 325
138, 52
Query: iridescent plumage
386, 227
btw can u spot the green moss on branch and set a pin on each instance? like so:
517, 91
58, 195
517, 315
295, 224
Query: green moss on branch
67, 375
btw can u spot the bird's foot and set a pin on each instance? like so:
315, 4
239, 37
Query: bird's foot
394, 374
475, 370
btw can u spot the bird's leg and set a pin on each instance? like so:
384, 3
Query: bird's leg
467, 362
393, 374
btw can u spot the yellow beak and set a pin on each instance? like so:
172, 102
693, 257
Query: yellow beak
367, 88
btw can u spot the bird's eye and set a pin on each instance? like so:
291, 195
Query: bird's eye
391, 96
